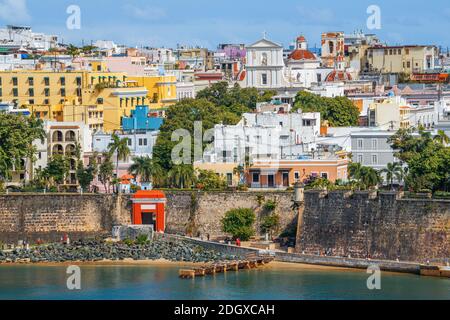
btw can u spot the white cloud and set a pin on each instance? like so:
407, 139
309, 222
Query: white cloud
14, 11
145, 13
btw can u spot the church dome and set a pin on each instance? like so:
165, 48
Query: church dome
301, 39
301, 54
338, 75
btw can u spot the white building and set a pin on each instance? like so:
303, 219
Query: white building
16, 61
264, 65
268, 135
24, 37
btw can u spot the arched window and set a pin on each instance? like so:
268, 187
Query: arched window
70, 136
57, 136
70, 150
58, 149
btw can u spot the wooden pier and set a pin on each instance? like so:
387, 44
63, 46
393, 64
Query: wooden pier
250, 262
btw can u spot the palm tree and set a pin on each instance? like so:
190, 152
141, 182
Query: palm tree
72, 51
442, 138
182, 176
354, 171
120, 148
393, 170
239, 171
370, 177
145, 168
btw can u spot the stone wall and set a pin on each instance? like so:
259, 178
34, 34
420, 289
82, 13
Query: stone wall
381, 227
201, 212
48, 217
342, 223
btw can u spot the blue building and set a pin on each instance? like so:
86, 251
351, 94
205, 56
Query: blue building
141, 120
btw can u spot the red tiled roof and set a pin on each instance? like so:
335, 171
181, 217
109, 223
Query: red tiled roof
301, 54
338, 76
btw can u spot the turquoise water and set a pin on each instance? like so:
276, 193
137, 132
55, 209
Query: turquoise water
156, 282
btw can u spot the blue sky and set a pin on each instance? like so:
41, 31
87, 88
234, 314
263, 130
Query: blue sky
209, 22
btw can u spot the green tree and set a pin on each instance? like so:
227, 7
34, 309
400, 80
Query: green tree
270, 224
239, 223
85, 176
119, 147
57, 169
182, 176
73, 51
370, 177
354, 171
442, 138
393, 171
145, 168
428, 159
338, 111
17, 134
209, 180
183, 115
106, 172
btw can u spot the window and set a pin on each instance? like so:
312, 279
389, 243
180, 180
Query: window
31, 81
63, 92
264, 79
374, 144
47, 81
360, 158
31, 101
63, 81
0, 81
255, 177
31, 92
324, 175
14, 81
15, 92
78, 81
145, 141
100, 101
46, 101
297, 176
129, 142
360, 143
1, 92
374, 159
229, 179
47, 92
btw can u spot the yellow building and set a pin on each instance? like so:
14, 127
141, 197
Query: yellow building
225, 170
401, 59
91, 115
45, 94
389, 114
162, 91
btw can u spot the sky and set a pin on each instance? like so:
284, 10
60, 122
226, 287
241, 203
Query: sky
207, 23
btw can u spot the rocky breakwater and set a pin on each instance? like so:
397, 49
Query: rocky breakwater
95, 251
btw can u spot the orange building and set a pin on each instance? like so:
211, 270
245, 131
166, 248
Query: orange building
285, 173
149, 209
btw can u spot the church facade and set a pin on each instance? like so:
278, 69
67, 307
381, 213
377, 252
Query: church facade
265, 65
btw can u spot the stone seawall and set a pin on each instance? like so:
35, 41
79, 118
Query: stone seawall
339, 223
48, 217
382, 226
201, 212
